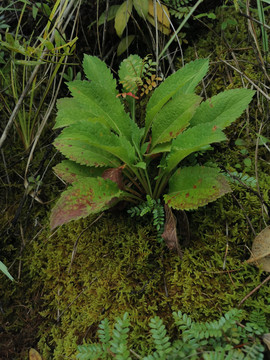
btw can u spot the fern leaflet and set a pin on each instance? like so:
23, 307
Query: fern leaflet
155, 208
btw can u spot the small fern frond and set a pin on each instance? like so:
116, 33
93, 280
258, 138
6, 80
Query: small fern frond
119, 338
159, 334
154, 207
257, 322
145, 210
223, 355
158, 216
150, 202
238, 178
183, 321
130, 73
254, 351
206, 330
91, 352
178, 8
104, 333
221, 339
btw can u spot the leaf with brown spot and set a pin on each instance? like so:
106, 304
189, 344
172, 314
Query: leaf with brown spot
261, 250
170, 235
71, 171
195, 186
34, 355
86, 196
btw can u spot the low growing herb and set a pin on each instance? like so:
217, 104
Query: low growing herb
112, 158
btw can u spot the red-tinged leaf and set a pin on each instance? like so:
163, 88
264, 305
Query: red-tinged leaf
170, 234
71, 171
115, 175
191, 187
84, 197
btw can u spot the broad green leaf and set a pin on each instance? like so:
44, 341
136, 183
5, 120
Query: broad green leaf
173, 118
223, 108
70, 111
122, 17
160, 148
4, 269
193, 139
101, 104
191, 187
141, 7
97, 71
124, 44
76, 140
85, 154
183, 81
70, 171
95, 99
85, 197
137, 137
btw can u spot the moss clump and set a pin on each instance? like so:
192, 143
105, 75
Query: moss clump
234, 44
119, 266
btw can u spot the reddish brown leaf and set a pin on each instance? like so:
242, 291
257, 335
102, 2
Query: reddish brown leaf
170, 235
115, 175
84, 197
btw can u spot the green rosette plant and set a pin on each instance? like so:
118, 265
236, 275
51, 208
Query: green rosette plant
111, 158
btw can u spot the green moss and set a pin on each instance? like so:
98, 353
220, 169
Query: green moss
234, 45
119, 266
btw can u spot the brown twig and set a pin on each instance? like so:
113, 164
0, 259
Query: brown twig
254, 290
248, 79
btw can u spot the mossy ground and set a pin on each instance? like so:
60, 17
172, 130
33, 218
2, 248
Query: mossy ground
71, 279
119, 266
